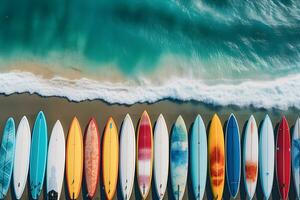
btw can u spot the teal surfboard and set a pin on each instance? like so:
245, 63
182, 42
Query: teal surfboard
38, 155
7, 152
179, 158
198, 157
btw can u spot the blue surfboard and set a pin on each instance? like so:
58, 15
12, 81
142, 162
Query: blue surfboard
233, 156
38, 155
179, 155
7, 152
198, 157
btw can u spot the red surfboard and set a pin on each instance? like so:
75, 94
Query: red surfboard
91, 157
283, 158
144, 155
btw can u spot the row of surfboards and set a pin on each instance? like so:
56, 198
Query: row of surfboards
22, 152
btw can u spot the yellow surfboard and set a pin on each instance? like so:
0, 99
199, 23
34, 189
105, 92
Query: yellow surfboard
110, 157
74, 159
216, 153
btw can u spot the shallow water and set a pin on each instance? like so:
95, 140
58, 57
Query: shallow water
165, 43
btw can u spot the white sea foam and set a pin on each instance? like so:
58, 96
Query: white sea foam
280, 93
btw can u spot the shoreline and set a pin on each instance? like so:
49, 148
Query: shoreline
56, 108
259, 94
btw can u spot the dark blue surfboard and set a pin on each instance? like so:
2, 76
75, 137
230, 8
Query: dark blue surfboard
233, 156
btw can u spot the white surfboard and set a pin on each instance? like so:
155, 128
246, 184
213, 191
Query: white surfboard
295, 157
250, 164
22, 154
56, 161
127, 157
161, 156
266, 156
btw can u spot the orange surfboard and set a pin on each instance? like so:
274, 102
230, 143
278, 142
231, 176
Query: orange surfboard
216, 153
91, 157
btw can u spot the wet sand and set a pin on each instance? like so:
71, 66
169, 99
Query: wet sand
56, 108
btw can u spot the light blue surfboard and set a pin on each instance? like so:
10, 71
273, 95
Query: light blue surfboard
266, 156
233, 156
296, 157
38, 155
179, 155
7, 152
198, 157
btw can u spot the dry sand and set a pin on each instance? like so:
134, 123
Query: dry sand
61, 109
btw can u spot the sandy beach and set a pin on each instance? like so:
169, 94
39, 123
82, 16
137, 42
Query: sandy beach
106, 58
56, 108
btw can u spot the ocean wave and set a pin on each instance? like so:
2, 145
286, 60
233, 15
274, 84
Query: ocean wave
258, 36
279, 93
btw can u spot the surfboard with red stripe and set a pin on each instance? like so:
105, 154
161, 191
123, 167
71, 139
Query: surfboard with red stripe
250, 152
283, 158
145, 154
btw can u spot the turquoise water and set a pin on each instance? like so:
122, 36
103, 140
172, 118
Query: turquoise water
227, 39
218, 52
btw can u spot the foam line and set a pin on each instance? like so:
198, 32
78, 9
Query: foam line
279, 93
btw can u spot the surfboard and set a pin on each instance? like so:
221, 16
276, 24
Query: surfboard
179, 157
296, 157
38, 155
127, 157
250, 155
266, 156
233, 156
56, 162
161, 156
144, 155
91, 158
7, 152
74, 159
216, 153
21, 160
283, 158
198, 157
110, 157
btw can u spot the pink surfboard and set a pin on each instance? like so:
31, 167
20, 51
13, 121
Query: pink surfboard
92, 158
283, 158
144, 155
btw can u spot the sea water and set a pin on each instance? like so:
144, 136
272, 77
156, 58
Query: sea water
218, 52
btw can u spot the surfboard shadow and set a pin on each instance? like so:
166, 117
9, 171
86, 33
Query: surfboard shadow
275, 190
208, 191
155, 195
119, 188
11, 188
243, 193
65, 187
191, 194
137, 193
101, 183
44, 188
28, 188
84, 192
226, 194
169, 185
292, 192
259, 191
136, 188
